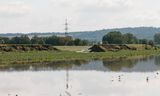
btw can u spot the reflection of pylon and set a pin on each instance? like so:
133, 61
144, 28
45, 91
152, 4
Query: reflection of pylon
67, 81
68, 86
66, 92
66, 28
67, 78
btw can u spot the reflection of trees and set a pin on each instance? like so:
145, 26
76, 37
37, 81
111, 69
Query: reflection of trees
117, 65
145, 58
157, 60
113, 65
43, 66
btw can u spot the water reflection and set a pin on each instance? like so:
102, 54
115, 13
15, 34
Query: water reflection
142, 64
118, 65
84, 83
157, 60
43, 66
138, 64
120, 77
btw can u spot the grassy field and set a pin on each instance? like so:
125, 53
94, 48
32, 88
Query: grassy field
72, 48
52, 56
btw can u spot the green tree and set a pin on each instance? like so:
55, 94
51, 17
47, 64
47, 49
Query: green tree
53, 40
129, 38
24, 39
4, 40
37, 40
113, 38
84, 42
143, 41
157, 38
151, 42
77, 42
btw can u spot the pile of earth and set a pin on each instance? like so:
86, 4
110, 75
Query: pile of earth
110, 47
17, 47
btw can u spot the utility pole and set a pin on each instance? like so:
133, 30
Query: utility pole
66, 28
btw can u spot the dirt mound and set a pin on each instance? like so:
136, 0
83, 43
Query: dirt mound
10, 48
110, 47
97, 48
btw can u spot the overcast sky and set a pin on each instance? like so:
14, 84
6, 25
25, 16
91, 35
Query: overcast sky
49, 15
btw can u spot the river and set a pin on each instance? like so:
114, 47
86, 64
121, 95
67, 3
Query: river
121, 77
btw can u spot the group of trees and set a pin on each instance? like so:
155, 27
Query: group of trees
157, 38
114, 37
53, 40
117, 37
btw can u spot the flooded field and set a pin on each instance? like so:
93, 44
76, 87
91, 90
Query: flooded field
121, 77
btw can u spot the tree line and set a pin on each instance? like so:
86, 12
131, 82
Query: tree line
114, 37
53, 40
117, 37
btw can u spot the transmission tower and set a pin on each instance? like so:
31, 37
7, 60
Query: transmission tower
66, 28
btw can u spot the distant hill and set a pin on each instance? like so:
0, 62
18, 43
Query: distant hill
139, 32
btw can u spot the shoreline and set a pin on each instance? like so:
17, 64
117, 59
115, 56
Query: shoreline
10, 58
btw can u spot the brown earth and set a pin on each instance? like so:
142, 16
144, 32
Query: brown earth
17, 47
110, 47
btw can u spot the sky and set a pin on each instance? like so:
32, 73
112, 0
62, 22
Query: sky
23, 16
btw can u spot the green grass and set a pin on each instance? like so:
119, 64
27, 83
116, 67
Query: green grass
52, 56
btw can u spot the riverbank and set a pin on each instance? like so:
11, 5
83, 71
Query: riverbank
52, 56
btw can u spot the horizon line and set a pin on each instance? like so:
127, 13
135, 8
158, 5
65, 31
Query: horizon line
79, 31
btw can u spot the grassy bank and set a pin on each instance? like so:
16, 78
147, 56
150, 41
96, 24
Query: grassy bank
52, 56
